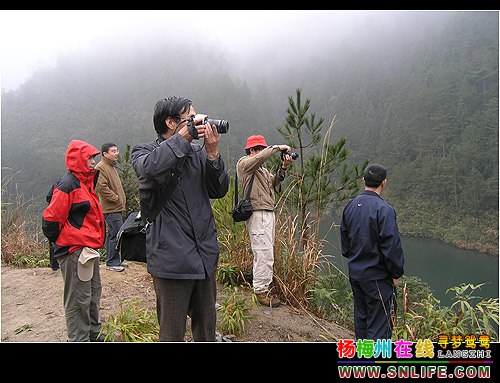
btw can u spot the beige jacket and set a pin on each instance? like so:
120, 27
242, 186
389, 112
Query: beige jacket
109, 187
262, 195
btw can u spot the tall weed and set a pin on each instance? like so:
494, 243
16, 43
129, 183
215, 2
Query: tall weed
22, 244
133, 323
427, 319
235, 311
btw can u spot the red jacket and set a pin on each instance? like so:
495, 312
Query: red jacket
74, 217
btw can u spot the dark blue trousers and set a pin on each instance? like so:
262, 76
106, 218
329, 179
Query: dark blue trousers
374, 305
113, 224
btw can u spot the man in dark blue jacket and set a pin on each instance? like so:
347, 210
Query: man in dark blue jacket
370, 240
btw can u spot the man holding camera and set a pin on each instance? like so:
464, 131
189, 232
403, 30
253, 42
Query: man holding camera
181, 244
260, 225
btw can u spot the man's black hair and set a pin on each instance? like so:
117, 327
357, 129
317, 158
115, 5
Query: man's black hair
374, 175
258, 147
171, 107
105, 147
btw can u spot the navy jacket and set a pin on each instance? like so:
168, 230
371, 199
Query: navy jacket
370, 238
182, 242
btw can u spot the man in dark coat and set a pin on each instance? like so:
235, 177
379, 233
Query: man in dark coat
181, 245
370, 240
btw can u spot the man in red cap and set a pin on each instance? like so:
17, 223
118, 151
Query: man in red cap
260, 225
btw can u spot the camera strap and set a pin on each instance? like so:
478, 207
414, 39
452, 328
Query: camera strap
164, 196
192, 129
236, 188
278, 175
174, 180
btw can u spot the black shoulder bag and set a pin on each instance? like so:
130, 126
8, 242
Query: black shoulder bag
242, 209
131, 238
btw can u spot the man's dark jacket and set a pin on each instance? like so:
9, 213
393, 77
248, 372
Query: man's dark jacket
182, 242
370, 239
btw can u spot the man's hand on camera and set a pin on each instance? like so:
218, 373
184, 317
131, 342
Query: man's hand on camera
212, 139
287, 160
184, 132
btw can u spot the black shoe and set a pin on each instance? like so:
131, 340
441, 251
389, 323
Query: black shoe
99, 338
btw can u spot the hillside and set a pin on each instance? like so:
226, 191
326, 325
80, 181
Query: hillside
415, 91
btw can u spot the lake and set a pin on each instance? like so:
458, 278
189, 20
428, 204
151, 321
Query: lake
440, 265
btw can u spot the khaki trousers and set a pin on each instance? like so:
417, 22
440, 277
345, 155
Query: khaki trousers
260, 228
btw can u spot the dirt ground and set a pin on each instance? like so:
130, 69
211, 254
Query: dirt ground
32, 310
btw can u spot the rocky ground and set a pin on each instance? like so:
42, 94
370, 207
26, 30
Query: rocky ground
32, 310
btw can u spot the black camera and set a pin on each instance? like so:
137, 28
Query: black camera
291, 154
221, 125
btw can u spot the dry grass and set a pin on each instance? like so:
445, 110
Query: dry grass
21, 242
296, 258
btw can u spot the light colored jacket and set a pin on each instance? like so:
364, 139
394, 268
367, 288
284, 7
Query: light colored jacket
262, 195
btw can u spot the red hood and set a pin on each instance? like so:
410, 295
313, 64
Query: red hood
77, 155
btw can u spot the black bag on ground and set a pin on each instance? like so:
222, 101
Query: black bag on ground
131, 238
242, 209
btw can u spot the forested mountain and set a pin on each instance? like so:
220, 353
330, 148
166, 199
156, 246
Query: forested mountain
428, 110
418, 94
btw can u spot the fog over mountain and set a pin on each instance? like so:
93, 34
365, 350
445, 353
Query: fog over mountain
34, 40
414, 90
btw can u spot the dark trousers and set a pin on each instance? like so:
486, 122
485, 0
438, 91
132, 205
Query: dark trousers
374, 305
113, 224
177, 298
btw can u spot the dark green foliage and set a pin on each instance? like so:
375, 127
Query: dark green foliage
129, 183
320, 177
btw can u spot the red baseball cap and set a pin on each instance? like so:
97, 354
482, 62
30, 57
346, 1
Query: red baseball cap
255, 141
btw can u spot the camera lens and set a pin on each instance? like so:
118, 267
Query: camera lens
222, 125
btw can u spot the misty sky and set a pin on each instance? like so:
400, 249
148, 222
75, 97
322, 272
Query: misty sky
32, 40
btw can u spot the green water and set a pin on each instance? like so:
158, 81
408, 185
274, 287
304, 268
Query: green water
440, 265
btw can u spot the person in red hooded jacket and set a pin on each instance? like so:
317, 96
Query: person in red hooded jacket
74, 222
